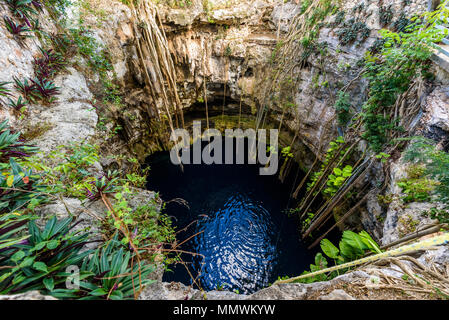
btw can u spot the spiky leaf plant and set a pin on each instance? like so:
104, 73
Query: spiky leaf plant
46, 88
114, 278
41, 262
22, 9
27, 89
11, 145
19, 31
48, 64
18, 105
4, 91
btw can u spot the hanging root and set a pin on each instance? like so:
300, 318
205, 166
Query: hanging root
417, 277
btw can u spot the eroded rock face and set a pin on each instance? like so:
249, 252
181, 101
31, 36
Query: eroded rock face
435, 120
231, 44
16, 58
406, 218
403, 218
72, 118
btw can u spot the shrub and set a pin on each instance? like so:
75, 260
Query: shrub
113, 277
28, 90
352, 246
45, 88
19, 31
48, 64
343, 108
23, 9
433, 164
18, 105
403, 56
40, 263
11, 145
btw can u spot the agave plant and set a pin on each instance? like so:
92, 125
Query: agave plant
28, 90
48, 64
22, 9
46, 88
41, 262
19, 31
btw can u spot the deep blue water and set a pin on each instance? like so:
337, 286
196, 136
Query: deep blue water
245, 240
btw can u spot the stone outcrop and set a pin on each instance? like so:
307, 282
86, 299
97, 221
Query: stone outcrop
368, 283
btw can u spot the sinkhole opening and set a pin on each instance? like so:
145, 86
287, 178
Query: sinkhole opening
239, 231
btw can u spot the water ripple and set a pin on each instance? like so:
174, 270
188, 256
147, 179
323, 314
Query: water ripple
238, 244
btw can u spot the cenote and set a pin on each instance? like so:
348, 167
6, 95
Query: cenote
240, 231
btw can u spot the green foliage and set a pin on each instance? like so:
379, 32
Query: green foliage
305, 5
40, 262
11, 145
27, 90
434, 167
334, 146
338, 20
22, 9
145, 222
352, 246
286, 152
19, 31
383, 157
404, 56
336, 180
20, 188
19, 105
351, 31
113, 275
68, 171
338, 175
442, 215
320, 264
385, 15
308, 220
343, 107
401, 24
4, 91
416, 187
35, 259
89, 48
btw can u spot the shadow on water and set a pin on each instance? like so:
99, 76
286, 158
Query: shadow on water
247, 240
